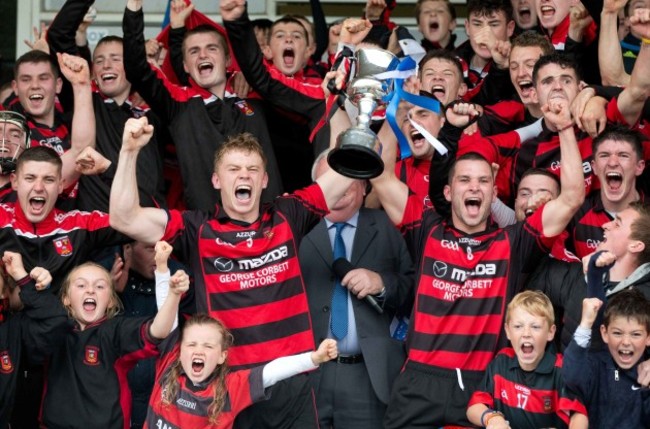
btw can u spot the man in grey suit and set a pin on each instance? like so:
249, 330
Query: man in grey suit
353, 390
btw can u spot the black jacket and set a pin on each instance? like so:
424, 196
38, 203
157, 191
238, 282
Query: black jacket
564, 283
35, 330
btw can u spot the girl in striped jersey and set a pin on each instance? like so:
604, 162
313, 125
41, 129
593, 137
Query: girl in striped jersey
194, 387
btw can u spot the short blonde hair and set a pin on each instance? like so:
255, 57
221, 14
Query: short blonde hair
533, 302
244, 142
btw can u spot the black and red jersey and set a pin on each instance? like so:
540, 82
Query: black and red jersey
586, 227
294, 105
110, 117
543, 151
415, 173
248, 275
60, 242
30, 333
504, 116
56, 137
527, 399
86, 384
190, 407
560, 35
211, 120
464, 283
487, 86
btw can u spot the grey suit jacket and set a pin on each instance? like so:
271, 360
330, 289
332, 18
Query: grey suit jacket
378, 246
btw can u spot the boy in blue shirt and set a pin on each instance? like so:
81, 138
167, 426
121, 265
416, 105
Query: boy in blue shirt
607, 380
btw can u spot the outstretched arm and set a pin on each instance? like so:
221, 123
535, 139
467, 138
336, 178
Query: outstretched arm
167, 315
76, 71
391, 192
610, 54
163, 277
61, 33
287, 366
558, 212
44, 316
633, 97
144, 224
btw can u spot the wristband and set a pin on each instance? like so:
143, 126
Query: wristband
493, 415
487, 411
22, 282
565, 128
645, 41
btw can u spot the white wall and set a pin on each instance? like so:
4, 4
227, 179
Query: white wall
109, 16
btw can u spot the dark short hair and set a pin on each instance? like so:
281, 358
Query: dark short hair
488, 7
470, 156
207, 29
441, 54
532, 38
631, 304
537, 171
110, 39
39, 154
622, 134
35, 56
562, 60
262, 23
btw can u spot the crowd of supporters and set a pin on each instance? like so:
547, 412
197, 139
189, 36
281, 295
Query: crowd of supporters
194, 233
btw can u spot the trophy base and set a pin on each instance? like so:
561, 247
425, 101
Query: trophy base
357, 162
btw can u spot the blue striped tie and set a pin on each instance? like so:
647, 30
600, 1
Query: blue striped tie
339, 321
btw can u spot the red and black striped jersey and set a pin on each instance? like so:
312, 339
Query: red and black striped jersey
528, 400
189, 408
464, 283
415, 173
56, 137
586, 228
248, 275
543, 151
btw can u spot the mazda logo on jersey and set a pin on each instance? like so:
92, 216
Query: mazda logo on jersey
439, 269
223, 264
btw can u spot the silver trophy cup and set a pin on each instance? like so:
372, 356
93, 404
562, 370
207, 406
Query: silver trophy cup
357, 152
